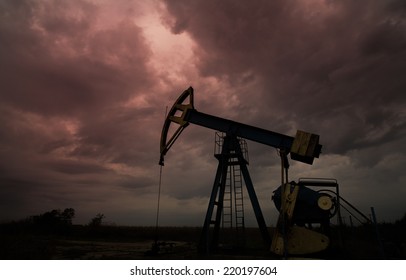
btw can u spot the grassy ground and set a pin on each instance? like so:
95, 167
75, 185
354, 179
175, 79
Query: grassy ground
24, 241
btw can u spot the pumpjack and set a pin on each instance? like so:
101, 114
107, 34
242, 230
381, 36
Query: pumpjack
289, 236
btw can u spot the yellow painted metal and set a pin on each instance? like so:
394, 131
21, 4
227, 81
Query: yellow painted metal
277, 243
289, 195
301, 143
298, 240
181, 119
290, 198
304, 146
325, 202
301, 240
181, 105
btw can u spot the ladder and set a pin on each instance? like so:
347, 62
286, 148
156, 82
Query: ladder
233, 222
227, 215
238, 198
239, 206
226, 204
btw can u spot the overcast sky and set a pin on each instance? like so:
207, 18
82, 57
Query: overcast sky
85, 85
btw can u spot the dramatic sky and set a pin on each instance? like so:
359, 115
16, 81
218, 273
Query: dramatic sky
85, 85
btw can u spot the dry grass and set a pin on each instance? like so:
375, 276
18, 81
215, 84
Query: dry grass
19, 241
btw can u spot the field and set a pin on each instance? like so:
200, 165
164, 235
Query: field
22, 241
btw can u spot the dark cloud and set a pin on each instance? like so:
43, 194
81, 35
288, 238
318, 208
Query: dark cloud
334, 68
130, 127
321, 64
68, 79
85, 85
63, 63
75, 167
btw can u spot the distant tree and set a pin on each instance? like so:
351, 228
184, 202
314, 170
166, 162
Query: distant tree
97, 220
51, 222
67, 215
54, 217
402, 221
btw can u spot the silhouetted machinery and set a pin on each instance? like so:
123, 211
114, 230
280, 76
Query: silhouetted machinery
304, 207
299, 205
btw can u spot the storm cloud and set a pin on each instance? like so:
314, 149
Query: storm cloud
85, 85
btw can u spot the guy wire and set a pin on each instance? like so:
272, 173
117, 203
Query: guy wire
159, 196
158, 204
